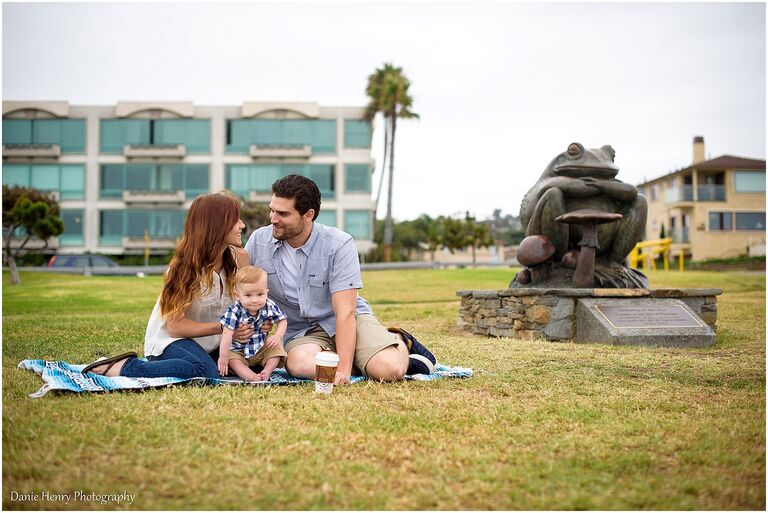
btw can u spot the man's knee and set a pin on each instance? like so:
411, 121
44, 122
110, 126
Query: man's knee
389, 364
301, 361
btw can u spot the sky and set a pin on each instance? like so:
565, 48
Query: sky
501, 88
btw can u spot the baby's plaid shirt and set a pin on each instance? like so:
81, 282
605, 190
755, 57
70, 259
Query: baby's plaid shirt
237, 314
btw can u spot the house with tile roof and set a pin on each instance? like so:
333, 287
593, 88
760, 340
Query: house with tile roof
713, 208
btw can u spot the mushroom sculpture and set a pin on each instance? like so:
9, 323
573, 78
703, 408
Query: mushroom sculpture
534, 252
584, 275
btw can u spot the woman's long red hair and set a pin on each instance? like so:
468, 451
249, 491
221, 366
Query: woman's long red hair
210, 219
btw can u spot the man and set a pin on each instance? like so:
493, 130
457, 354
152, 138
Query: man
314, 274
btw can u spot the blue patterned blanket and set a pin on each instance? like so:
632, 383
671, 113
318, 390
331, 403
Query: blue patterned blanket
63, 376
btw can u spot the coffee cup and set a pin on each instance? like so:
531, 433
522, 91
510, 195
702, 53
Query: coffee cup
325, 371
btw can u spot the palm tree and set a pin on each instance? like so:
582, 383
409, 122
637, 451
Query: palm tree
388, 92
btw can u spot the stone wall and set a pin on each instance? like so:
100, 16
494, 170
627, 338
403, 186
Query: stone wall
529, 313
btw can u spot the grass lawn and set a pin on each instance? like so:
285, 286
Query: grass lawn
539, 426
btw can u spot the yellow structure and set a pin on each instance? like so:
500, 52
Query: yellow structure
711, 209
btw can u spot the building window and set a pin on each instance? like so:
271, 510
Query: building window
66, 179
720, 221
654, 192
357, 223
244, 178
116, 224
357, 133
190, 178
327, 217
73, 228
750, 221
357, 178
194, 134
67, 133
749, 181
320, 134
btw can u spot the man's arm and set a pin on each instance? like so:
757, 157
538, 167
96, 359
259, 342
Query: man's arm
344, 304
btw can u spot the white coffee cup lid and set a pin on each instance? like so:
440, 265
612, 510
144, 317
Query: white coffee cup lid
326, 358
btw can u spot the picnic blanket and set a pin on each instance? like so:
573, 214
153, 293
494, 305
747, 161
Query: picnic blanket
63, 376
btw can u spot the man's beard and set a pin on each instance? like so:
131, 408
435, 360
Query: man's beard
288, 233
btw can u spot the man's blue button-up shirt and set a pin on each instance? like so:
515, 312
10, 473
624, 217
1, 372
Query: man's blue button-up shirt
327, 263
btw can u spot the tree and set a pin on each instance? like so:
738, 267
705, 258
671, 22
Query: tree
388, 92
254, 215
478, 235
27, 213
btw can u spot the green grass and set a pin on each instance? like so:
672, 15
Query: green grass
539, 426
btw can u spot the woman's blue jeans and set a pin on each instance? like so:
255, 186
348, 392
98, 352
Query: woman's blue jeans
183, 358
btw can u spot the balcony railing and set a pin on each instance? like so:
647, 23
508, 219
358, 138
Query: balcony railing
32, 150
679, 235
154, 242
155, 150
711, 193
675, 194
280, 151
703, 193
34, 243
153, 196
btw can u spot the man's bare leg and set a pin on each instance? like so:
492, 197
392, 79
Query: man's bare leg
301, 361
389, 364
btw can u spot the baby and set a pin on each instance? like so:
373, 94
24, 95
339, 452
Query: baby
252, 306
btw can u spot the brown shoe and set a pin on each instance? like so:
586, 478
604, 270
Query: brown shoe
109, 362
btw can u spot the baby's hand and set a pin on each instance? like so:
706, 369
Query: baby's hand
223, 365
273, 341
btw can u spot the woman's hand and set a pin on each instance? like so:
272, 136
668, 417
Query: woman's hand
243, 333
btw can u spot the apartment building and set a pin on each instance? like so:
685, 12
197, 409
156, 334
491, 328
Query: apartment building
126, 174
713, 208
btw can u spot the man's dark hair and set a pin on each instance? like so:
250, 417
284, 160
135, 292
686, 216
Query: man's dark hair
301, 189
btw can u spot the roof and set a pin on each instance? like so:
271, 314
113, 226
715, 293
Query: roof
722, 162
729, 162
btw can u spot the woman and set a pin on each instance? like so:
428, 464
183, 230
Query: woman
183, 332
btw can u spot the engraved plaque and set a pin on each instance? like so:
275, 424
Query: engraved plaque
648, 316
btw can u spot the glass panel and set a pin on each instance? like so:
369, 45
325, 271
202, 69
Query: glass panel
45, 178
240, 136
17, 131
357, 178
750, 220
749, 181
137, 222
324, 136
198, 136
323, 176
357, 133
239, 180
117, 132
263, 176
327, 217
196, 180
112, 180
16, 175
720, 221
139, 176
46, 131
73, 135
73, 228
72, 182
357, 223
111, 227
168, 223
170, 177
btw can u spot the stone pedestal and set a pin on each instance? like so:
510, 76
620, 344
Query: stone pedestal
551, 314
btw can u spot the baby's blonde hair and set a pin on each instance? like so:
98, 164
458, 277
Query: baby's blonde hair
249, 274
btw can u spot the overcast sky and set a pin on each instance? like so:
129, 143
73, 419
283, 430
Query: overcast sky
501, 88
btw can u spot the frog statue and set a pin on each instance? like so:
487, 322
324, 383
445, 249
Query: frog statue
578, 179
